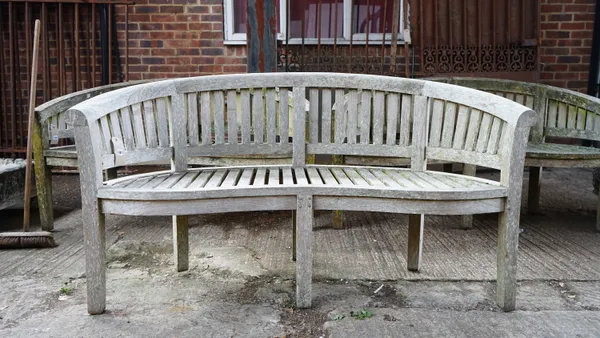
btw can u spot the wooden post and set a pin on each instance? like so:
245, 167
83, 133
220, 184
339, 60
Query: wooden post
261, 36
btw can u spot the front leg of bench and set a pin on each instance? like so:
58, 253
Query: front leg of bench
95, 255
415, 241
181, 242
535, 185
43, 180
508, 242
304, 235
466, 221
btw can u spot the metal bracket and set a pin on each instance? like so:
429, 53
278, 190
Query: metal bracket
53, 135
119, 151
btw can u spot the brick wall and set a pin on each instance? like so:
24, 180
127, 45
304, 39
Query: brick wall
173, 38
566, 33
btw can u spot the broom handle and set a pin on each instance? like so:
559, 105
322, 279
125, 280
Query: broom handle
31, 116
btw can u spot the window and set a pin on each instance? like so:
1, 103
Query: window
323, 21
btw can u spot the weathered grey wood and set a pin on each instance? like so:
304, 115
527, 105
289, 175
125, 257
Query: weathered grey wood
232, 113
313, 115
219, 109
179, 139
150, 124
415, 241
181, 242
393, 110
138, 126
365, 117
43, 176
340, 117
449, 125
466, 221
326, 118
128, 136
162, 121
271, 112
284, 115
535, 185
205, 113
473, 130
421, 112
246, 116
304, 239
352, 126
299, 146
437, 114
258, 110
105, 134
192, 115
405, 120
378, 117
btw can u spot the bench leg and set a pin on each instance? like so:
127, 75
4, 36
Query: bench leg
95, 257
43, 180
598, 215
304, 233
415, 241
535, 184
294, 235
180, 242
508, 242
466, 221
111, 173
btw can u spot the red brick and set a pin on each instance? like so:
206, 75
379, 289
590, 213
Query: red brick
172, 9
568, 59
572, 25
560, 17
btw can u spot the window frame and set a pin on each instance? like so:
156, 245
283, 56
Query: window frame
232, 38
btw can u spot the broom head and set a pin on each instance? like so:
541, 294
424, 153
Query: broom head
23, 240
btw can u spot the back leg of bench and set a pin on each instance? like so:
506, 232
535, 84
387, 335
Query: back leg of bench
598, 215
43, 180
95, 256
508, 242
415, 241
294, 235
181, 242
535, 184
466, 221
304, 234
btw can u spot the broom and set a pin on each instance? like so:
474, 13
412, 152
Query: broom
26, 239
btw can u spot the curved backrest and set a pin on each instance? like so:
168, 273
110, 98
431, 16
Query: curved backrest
561, 112
50, 115
345, 114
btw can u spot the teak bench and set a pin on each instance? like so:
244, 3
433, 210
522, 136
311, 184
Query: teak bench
563, 115
249, 114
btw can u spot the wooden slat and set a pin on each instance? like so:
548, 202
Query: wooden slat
232, 130
405, 120
494, 140
205, 117
192, 122
473, 130
313, 115
273, 178
271, 116
327, 176
106, 135
258, 110
246, 116
552, 114
115, 125
219, 108
484, 133
393, 110
562, 115
462, 122
354, 176
365, 117
246, 177
589, 119
171, 180
217, 179
138, 126
139, 182
378, 116
162, 120
313, 175
326, 118
259, 178
341, 177
529, 101
385, 179
186, 180
150, 124
301, 177
571, 117
284, 115
436, 121
340, 117
156, 180
449, 125
128, 138
232, 178
370, 178
288, 178
352, 116
403, 179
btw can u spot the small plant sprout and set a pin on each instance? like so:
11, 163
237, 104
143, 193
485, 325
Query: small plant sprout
65, 290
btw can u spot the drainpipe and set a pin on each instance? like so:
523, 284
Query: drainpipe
594, 77
261, 36
104, 42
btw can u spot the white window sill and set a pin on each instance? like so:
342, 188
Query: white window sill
326, 42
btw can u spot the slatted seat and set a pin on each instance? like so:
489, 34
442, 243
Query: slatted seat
282, 180
298, 116
562, 152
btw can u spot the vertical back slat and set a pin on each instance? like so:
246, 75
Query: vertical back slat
162, 121
284, 115
258, 111
581, 117
571, 116
205, 117
473, 130
419, 136
462, 122
128, 138
313, 115
589, 120
365, 117
393, 110
246, 118
326, 116
449, 125
192, 115
340, 116
493, 143
106, 134
299, 145
138, 126
150, 124
378, 116
271, 116
232, 130
405, 119
562, 115
437, 115
552, 114
484, 133
219, 107
529, 102
352, 116
115, 125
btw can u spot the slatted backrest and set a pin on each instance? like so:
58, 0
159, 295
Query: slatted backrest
571, 114
130, 125
51, 115
470, 126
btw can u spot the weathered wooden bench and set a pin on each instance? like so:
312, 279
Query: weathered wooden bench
49, 129
249, 114
563, 116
